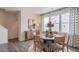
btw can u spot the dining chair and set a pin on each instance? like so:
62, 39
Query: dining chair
67, 37
59, 43
54, 32
67, 41
47, 33
51, 33
38, 44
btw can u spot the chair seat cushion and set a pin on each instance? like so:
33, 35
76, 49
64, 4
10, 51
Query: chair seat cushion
58, 46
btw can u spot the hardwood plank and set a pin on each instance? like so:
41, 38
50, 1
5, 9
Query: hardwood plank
16, 46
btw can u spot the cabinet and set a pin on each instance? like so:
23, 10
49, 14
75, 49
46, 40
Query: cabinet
28, 35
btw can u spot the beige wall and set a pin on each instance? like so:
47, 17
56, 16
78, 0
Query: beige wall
2, 13
10, 21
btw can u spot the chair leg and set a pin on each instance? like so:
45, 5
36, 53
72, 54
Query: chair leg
34, 49
67, 49
63, 49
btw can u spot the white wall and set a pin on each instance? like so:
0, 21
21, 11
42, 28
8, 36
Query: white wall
25, 15
3, 35
19, 27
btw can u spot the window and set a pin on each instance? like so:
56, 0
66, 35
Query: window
65, 22
45, 21
55, 21
60, 20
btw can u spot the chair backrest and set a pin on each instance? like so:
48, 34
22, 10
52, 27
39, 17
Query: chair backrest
37, 32
36, 38
54, 32
60, 40
47, 33
66, 37
37, 41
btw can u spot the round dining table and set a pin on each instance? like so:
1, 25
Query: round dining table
49, 40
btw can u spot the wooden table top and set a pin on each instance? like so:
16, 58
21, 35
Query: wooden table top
50, 38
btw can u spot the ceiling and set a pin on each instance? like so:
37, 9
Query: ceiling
37, 10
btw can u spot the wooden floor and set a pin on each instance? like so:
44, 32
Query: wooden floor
13, 46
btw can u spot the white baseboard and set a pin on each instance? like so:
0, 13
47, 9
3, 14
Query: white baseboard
3, 42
